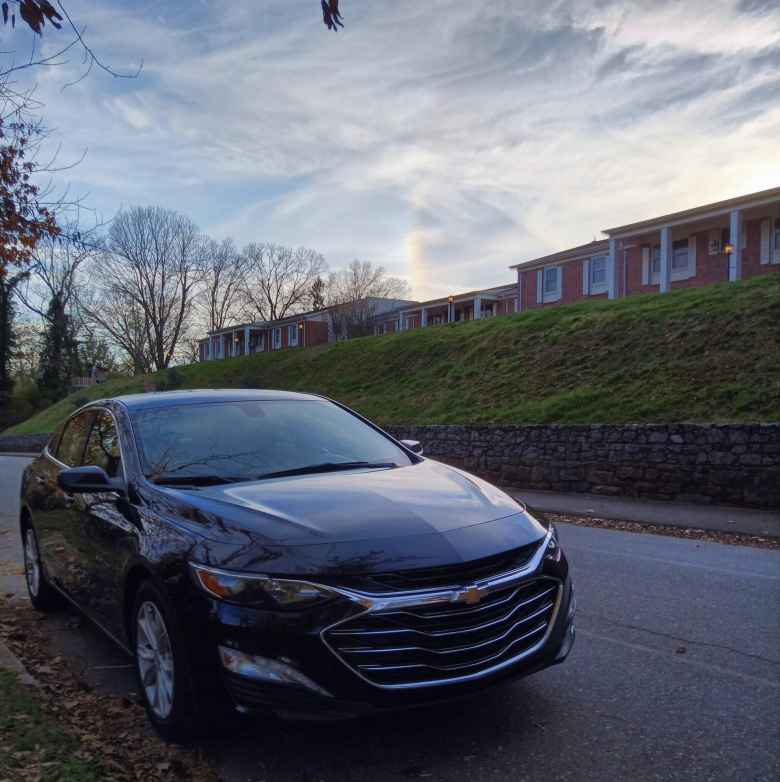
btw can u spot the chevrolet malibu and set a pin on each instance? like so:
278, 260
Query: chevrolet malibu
273, 552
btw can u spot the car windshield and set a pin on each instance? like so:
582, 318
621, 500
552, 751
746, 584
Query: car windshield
234, 441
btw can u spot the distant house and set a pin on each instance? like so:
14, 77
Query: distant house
301, 330
96, 376
471, 305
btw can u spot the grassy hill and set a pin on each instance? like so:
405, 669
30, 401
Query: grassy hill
707, 354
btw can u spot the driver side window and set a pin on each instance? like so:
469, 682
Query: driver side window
71, 444
103, 445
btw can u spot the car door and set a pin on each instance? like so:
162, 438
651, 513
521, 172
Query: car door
108, 530
56, 514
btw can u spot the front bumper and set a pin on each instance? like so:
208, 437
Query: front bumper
296, 639
295, 702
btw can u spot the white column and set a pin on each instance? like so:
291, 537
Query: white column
666, 258
611, 270
735, 239
246, 341
423, 317
477, 307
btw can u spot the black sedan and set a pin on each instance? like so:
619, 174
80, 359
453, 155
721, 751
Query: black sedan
274, 552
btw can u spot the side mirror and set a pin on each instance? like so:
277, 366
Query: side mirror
87, 480
415, 446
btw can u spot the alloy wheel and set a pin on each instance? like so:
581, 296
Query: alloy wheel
32, 562
155, 659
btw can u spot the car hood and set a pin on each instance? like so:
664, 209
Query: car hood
432, 512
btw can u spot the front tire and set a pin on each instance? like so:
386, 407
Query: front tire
162, 666
43, 596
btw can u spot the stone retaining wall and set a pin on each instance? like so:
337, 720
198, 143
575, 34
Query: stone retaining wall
23, 443
735, 464
729, 463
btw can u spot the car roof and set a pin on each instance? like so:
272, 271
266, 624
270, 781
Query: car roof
204, 396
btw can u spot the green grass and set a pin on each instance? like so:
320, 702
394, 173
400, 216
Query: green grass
32, 745
705, 354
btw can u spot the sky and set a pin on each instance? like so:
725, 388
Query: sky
442, 140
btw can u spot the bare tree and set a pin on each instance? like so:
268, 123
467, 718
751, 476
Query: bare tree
280, 279
107, 313
352, 292
146, 281
224, 282
54, 270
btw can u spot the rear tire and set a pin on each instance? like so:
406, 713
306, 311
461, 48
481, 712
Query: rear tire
43, 596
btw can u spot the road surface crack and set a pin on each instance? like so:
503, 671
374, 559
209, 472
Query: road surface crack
689, 641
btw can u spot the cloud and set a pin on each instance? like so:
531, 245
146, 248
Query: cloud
443, 140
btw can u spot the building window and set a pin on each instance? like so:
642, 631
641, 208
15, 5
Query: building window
292, 335
681, 262
655, 266
550, 283
276, 338
598, 274
438, 320
550, 280
777, 235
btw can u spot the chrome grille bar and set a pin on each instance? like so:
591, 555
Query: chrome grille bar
455, 650
457, 667
447, 633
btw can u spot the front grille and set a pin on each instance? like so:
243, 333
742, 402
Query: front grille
421, 645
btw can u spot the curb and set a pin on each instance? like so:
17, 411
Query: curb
10, 662
711, 518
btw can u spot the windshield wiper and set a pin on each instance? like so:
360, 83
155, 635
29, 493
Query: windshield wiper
193, 480
325, 467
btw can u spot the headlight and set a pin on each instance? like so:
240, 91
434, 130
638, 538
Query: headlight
262, 591
553, 546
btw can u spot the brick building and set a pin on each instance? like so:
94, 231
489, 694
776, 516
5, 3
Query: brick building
727, 240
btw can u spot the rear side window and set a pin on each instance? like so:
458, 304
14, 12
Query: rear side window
73, 437
103, 445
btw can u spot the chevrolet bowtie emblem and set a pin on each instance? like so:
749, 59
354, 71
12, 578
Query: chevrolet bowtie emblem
471, 596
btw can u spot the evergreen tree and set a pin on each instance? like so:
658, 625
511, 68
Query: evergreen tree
59, 353
7, 341
318, 294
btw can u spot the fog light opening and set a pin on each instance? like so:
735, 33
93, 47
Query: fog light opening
266, 670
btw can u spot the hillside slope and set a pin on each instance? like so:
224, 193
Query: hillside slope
707, 354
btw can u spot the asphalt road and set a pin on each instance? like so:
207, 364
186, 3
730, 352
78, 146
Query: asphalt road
675, 676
